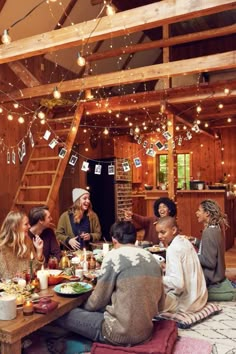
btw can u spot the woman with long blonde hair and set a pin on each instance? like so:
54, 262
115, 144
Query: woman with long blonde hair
16, 248
79, 225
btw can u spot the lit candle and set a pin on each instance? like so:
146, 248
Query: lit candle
105, 248
85, 263
28, 308
42, 275
31, 265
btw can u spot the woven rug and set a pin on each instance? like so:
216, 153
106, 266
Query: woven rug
219, 330
186, 345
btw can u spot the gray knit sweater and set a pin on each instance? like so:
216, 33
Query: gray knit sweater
130, 289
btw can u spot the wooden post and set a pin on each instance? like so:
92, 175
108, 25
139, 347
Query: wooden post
172, 163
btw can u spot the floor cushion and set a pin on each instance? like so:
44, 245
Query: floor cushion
162, 342
223, 291
187, 320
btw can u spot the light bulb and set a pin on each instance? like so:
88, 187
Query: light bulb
6, 39
229, 120
88, 94
199, 109
53, 0
226, 91
80, 60
1, 110
10, 117
137, 130
41, 115
206, 125
220, 105
110, 10
56, 93
42, 121
106, 131
16, 105
21, 120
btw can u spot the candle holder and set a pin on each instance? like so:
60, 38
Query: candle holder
28, 308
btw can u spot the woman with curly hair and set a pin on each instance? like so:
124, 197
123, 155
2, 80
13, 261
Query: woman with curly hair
16, 248
211, 250
161, 207
79, 225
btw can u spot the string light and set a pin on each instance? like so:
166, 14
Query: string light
81, 60
206, 125
16, 105
41, 115
10, 117
198, 109
6, 39
106, 131
56, 93
220, 105
110, 8
137, 130
21, 120
1, 109
229, 120
226, 91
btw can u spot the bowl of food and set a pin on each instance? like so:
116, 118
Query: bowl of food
148, 187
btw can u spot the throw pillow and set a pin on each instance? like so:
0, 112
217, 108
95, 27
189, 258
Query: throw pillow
162, 342
187, 320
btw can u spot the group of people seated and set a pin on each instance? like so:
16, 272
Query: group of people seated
132, 286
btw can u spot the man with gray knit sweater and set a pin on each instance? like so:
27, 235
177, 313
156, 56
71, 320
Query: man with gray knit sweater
127, 296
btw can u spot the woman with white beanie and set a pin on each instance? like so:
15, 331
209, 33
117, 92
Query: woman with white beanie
79, 225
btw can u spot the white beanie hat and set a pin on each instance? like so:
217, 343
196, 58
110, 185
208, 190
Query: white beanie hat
77, 193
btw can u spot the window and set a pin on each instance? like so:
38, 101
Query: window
183, 169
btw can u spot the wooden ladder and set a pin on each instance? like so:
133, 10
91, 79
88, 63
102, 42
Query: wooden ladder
44, 170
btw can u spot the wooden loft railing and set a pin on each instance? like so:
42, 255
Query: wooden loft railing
44, 171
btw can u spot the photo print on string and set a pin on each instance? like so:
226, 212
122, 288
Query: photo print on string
23, 149
31, 138
13, 157
47, 135
126, 166
111, 170
151, 152
20, 154
137, 162
98, 169
85, 166
62, 153
53, 143
73, 160
159, 145
167, 135
8, 157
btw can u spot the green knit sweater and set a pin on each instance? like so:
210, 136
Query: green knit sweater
64, 229
130, 289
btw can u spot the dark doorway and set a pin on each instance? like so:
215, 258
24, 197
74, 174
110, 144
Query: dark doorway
102, 195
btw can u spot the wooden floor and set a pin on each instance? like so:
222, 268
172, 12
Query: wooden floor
230, 257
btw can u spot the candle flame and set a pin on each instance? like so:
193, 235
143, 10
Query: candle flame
31, 255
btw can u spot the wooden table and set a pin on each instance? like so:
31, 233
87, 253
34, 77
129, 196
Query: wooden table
11, 332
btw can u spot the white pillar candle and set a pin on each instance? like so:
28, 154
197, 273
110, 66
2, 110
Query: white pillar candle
105, 248
42, 275
7, 307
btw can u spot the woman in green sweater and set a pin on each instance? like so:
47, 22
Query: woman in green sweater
79, 225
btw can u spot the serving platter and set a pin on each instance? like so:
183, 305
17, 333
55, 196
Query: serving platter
72, 289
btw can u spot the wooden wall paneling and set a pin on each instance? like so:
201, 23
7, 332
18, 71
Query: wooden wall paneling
183, 213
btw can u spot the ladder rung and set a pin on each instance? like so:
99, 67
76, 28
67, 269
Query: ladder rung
40, 172
35, 187
33, 202
45, 158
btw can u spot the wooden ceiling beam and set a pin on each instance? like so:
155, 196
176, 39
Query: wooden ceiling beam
138, 19
24, 74
208, 63
162, 43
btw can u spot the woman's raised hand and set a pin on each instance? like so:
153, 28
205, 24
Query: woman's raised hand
74, 244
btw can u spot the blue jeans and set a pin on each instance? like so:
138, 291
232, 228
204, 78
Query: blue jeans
87, 324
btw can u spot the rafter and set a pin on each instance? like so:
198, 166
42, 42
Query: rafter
141, 18
24, 74
208, 63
